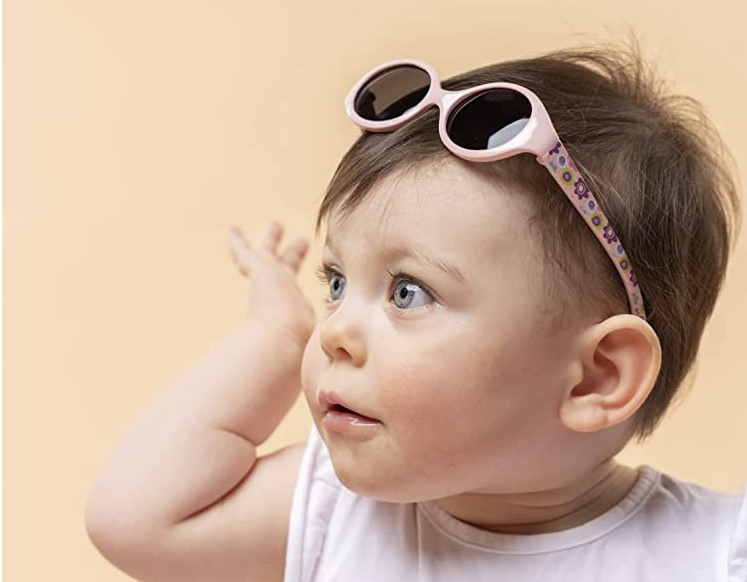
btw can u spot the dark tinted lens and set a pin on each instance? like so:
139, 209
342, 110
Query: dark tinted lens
392, 92
488, 120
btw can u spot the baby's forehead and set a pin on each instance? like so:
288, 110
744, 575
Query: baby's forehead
446, 209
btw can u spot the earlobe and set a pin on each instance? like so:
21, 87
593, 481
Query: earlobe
614, 369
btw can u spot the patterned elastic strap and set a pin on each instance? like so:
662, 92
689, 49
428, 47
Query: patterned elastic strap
567, 175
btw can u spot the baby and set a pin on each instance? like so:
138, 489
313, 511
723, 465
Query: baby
497, 327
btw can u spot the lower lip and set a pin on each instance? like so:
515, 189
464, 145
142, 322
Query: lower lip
339, 421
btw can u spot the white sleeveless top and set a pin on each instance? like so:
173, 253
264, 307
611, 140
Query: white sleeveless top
663, 530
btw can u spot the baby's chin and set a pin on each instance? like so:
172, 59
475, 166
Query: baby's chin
381, 482
391, 493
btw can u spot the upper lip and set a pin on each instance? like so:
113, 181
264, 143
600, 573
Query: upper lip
329, 399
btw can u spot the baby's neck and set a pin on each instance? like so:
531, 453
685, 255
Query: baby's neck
531, 514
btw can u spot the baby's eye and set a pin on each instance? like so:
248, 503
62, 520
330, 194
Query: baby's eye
329, 276
404, 290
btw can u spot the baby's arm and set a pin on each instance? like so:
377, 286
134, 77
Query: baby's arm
153, 510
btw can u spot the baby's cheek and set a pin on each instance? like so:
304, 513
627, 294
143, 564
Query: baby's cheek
427, 396
419, 393
435, 370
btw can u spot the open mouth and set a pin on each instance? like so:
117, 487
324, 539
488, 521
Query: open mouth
339, 409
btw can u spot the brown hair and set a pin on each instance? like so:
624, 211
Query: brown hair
654, 162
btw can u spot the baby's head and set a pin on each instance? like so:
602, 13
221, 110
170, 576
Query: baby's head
474, 313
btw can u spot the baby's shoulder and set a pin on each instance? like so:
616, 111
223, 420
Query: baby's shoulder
699, 499
691, 515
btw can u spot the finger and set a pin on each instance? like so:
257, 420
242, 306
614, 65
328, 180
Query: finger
269, 238
294, 254
242, 255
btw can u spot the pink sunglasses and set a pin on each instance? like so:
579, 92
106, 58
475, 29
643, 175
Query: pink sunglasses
483, 124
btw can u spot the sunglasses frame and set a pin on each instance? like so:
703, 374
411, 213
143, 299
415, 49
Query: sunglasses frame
538, 137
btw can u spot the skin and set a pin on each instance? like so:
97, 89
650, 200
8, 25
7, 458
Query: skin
507, 427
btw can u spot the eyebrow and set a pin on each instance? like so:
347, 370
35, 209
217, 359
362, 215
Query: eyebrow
418, 253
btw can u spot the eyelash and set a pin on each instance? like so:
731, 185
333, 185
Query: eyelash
325, 273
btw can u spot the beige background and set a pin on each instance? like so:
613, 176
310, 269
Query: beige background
136, 132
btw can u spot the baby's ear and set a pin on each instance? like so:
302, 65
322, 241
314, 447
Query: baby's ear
615, 365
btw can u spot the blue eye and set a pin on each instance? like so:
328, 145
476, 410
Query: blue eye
405, 289
406, 292
326, 275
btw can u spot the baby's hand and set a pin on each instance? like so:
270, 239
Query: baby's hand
274, 295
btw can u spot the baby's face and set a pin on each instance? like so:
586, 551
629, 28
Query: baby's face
466, 385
